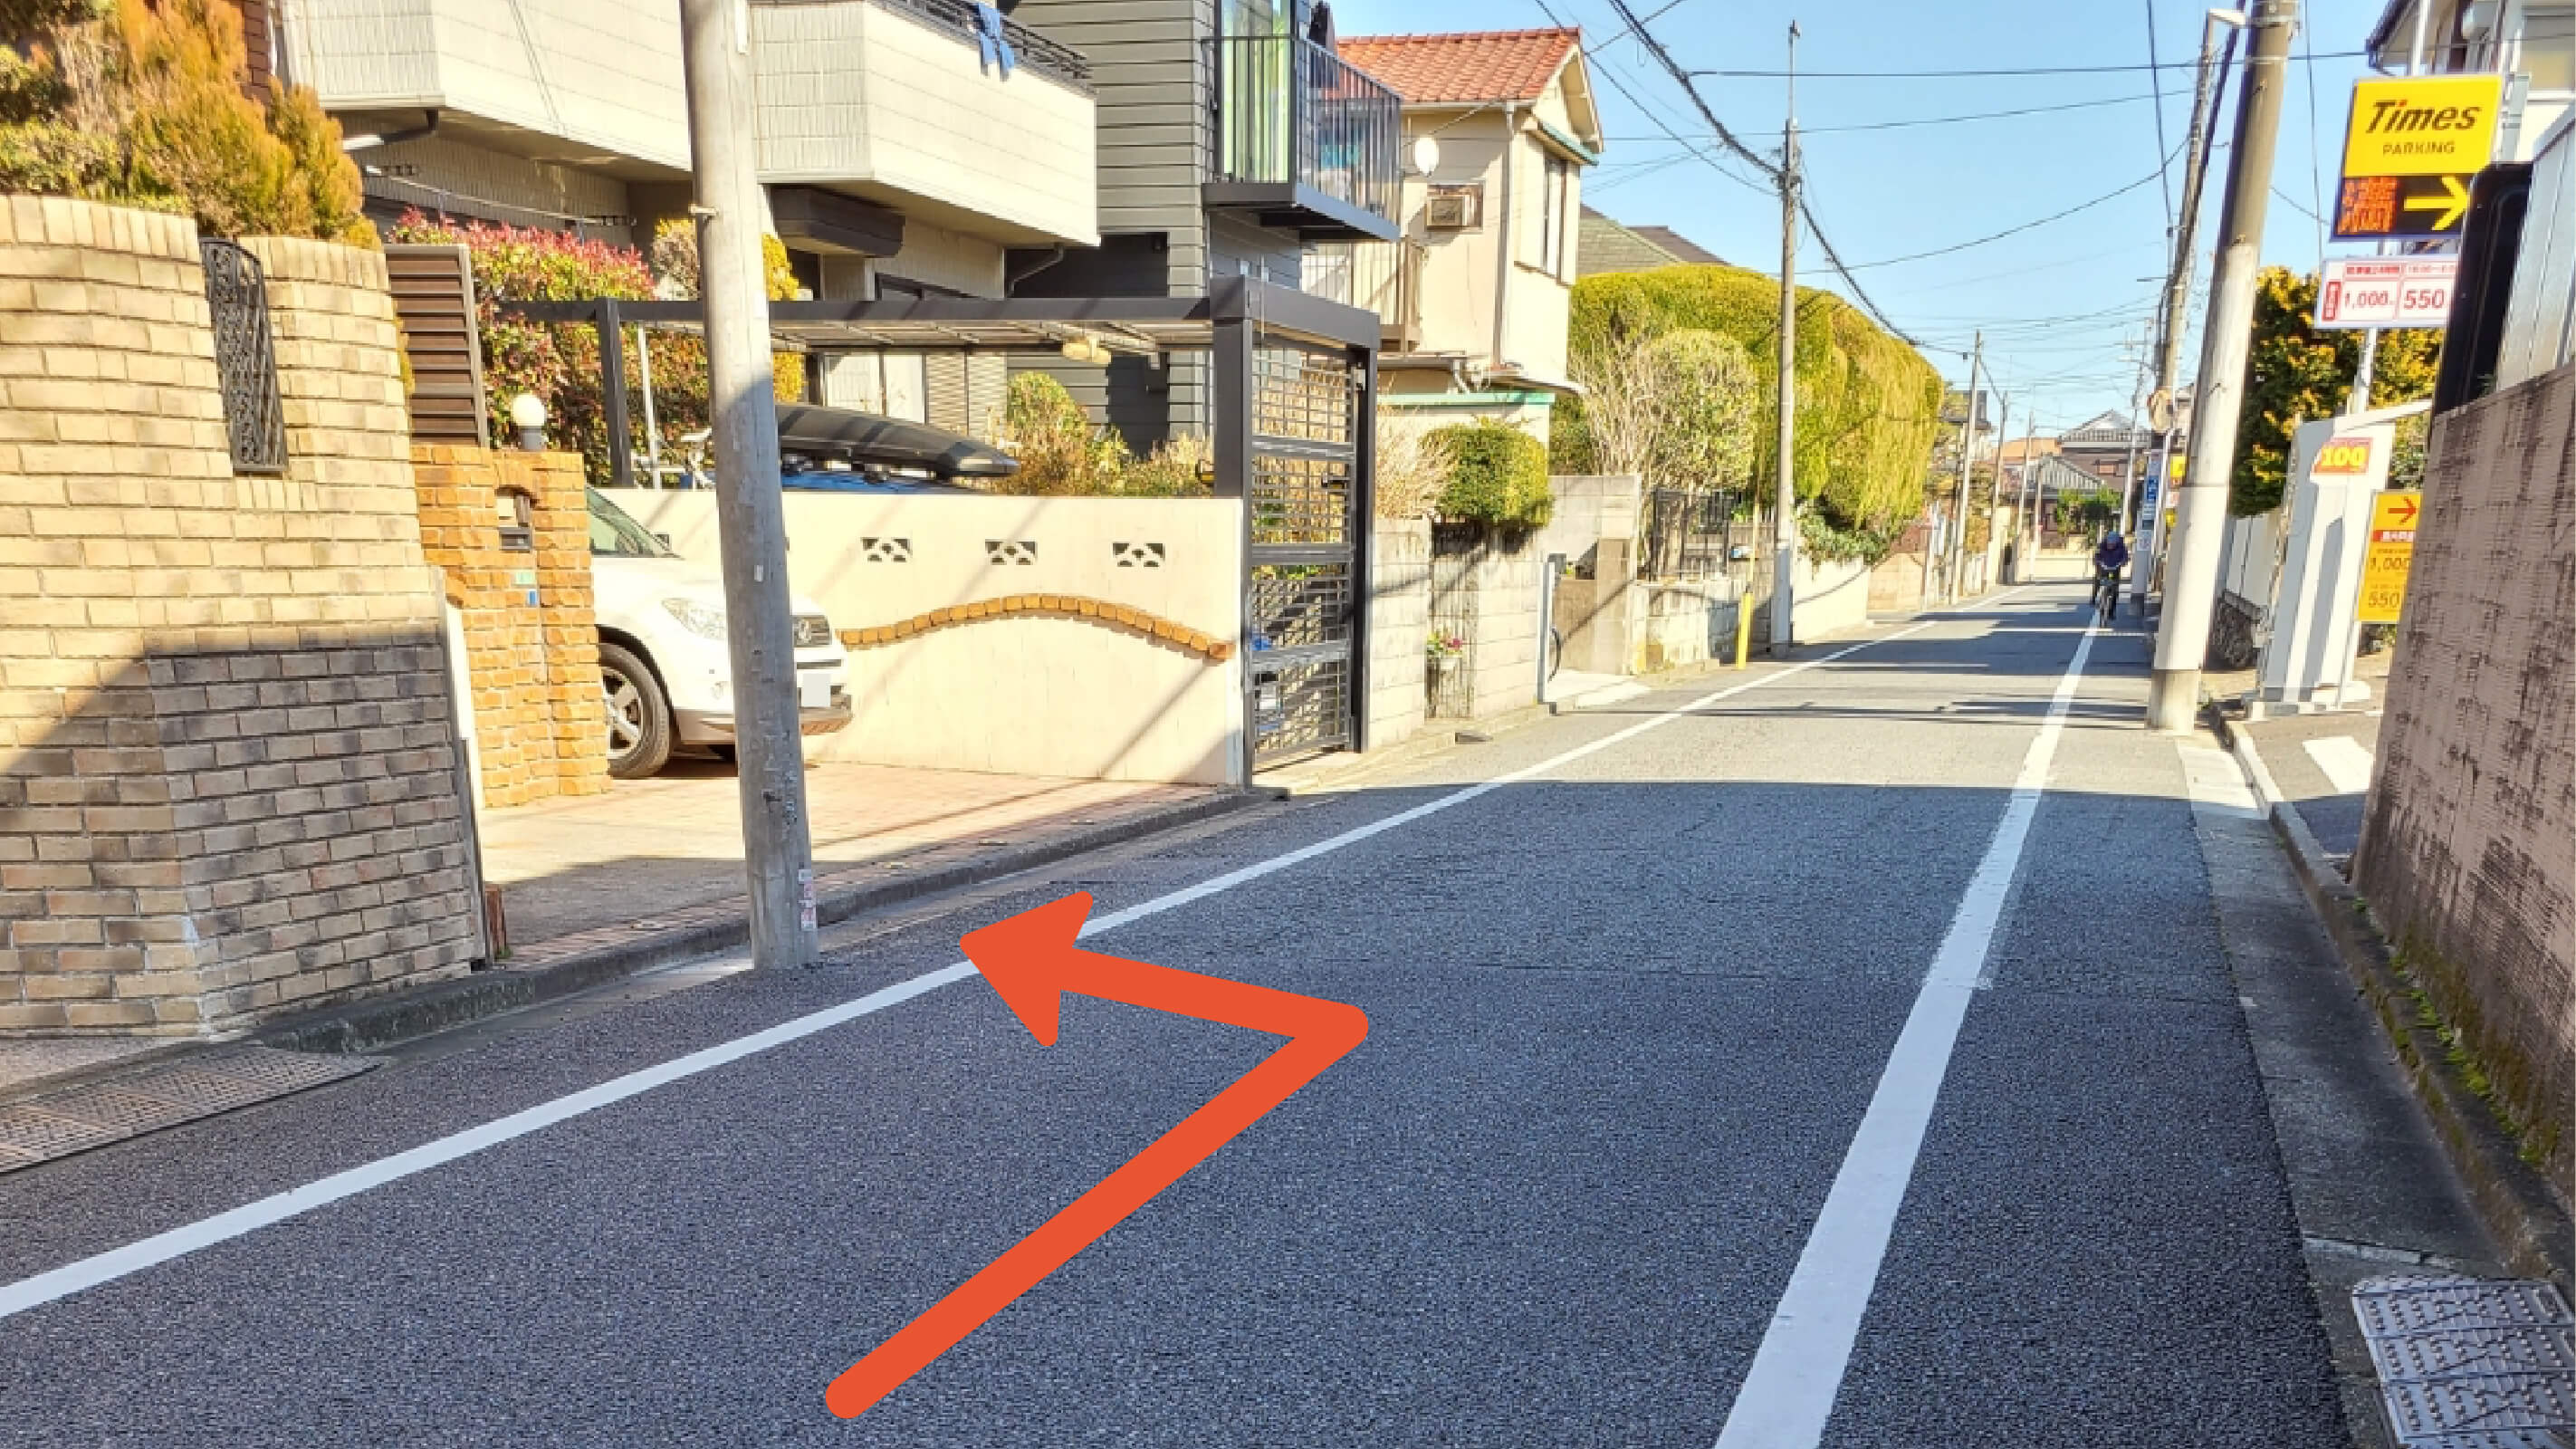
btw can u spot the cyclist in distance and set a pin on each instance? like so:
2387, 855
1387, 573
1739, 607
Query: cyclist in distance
2111, 556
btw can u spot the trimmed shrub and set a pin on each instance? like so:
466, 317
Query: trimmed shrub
1868, 405
1497, 475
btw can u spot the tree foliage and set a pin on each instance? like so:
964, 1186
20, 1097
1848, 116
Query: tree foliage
1061, 453
2295, 373
1497, 474
1675, 406
143, 104
1868, 405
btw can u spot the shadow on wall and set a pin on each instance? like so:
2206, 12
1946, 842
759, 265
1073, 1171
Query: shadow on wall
203, 836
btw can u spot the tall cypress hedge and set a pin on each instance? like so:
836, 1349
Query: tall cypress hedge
1868, 405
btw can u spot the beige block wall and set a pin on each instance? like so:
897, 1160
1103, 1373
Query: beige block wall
1018, 692
227, 779
1399, 594
2468, 846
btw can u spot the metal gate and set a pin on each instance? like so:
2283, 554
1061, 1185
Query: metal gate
1303, 559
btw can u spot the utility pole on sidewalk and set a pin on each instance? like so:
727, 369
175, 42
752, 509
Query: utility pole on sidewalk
751, 530
2177, 319
1784, 502
1967, 466
1995, 484
2200, 520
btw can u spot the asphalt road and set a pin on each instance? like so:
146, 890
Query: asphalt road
1627, 1015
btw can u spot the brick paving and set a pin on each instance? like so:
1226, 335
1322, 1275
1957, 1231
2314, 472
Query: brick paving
666, 853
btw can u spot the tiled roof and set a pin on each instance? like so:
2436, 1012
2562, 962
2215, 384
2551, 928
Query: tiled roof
1607, 246
1682, 247
1489, 65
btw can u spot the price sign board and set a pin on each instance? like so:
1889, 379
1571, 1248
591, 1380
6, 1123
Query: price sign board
2409, 149
2386, 292
2385, 559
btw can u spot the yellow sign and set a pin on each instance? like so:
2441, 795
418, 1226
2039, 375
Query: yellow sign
2343, 455
2391, 549
2434, 126
2174, 467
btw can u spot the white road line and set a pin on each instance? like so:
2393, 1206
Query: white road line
2345, 761
134, 1257
1789, 1393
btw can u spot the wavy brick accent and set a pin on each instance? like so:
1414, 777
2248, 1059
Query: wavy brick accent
1047, 606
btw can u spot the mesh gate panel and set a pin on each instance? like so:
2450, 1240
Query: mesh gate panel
1301, 591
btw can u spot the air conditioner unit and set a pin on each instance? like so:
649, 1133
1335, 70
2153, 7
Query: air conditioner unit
1454, 208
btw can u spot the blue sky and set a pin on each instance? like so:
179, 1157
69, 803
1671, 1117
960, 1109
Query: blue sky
2065, 305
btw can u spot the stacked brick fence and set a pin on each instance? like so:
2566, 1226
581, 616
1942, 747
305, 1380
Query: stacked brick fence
228, 772
2468, 850
531, 643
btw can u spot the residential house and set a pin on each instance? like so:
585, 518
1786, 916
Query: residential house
2106, 447
2531, 39
1231, 135
1499, 127
1606, 246
906, 145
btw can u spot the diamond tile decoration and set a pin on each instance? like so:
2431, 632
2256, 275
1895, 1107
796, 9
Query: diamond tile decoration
2471, 1364
94, 1113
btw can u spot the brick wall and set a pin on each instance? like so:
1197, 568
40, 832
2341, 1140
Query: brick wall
2468, 849
540, 728
228, 781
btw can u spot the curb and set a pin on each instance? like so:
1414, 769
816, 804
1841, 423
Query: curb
378, 1022
2528, 1223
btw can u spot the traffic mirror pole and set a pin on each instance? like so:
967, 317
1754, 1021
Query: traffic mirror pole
751, 527
2200, 519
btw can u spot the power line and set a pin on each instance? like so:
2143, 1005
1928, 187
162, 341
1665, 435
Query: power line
2047, 70
1964, 116
2165, 173
2025, 226
1835, 260
1682, 78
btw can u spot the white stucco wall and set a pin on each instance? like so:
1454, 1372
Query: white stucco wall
1018, 694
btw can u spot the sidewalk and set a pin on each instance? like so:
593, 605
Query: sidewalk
651, 855
2321, 763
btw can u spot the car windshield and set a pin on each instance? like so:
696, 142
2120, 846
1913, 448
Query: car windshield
618, 536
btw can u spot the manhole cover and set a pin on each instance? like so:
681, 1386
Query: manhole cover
2468, 1364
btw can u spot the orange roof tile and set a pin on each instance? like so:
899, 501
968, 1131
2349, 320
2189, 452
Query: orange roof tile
1483, 66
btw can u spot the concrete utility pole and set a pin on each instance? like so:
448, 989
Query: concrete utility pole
2177, 318
1967, 468
1784, 503
1995, 484
769, 752
2200, 521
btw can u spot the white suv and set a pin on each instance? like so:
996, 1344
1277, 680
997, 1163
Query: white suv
662, 656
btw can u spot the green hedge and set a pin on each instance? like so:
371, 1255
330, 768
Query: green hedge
1497, 475
1868, 404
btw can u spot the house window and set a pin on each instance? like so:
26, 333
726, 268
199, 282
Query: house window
1557, 187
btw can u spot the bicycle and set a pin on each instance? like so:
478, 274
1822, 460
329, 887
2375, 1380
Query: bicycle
2106, 594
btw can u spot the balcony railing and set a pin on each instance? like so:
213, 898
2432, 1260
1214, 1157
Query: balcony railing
1303, 138
1384, 277
1045, 57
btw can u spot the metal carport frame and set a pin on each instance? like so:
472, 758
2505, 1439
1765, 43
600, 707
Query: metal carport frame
1293, 390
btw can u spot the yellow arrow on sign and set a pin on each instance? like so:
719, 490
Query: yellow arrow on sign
2452, 206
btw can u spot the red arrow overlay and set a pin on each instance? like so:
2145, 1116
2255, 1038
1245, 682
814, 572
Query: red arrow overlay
1031, 961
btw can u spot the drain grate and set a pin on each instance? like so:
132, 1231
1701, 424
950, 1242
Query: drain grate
93, 1114
2468, 1364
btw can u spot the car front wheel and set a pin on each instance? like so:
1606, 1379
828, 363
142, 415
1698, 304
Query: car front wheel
639, 717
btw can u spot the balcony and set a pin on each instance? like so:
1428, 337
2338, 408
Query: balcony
906, 103
1302, 140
